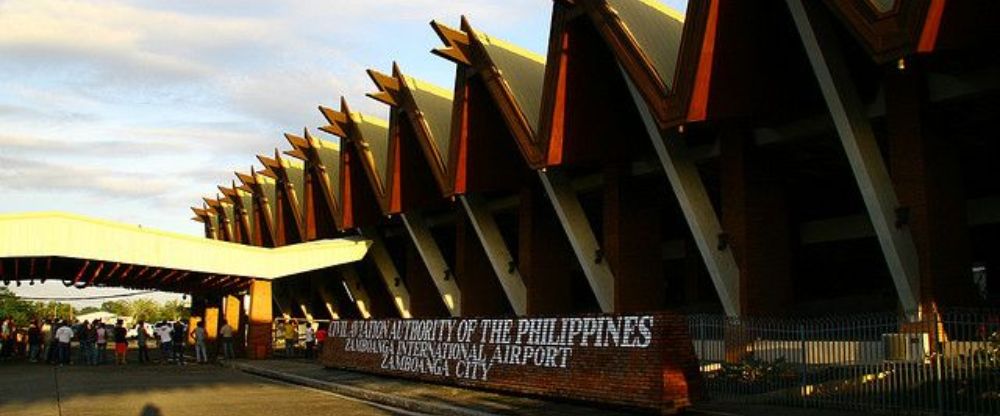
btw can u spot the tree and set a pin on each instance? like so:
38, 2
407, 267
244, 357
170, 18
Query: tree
173, 310
87, 309
10, 305
143, 309
23, 311
117, 307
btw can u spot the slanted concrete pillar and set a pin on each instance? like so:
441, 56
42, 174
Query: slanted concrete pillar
481, 291
581, 236
862, 150
632, 246
425, 300
756, 225
926, 173
260, 320
436, 266
544, 256
688, 187
495, 248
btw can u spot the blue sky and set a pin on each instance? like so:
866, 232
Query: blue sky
134, 110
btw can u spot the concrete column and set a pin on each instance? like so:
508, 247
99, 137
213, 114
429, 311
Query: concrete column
581, 236
425, 300
862, 150
232, 311
211, 318
379, 256
496, 251
481, 291
756, 225
436, 267
632, 246
926, 172
544, 256
260, 320
197, 315
689, 189
357, 290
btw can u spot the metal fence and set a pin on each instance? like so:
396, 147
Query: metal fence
945, 363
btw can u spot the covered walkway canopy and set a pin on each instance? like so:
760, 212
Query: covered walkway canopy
83, 252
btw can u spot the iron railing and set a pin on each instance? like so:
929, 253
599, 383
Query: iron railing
944, 363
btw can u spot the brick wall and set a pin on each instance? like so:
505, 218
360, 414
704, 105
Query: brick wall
643, 361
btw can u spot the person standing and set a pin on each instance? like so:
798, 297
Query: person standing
320, 338
226, 336
6, 338
199, 334
87, 337
102, 341
310, 340
291, 337
178, 338
52, 351
64, 335
34, 342
141, 338
121, 342
163, 332
47, 341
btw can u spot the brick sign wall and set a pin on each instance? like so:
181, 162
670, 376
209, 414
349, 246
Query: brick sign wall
644, 361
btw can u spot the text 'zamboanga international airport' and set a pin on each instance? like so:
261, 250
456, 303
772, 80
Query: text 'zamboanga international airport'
785, 203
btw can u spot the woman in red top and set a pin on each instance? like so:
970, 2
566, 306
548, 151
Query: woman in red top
320, 338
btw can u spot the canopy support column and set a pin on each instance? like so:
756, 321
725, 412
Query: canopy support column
581, 237
687, 186
862, 151
438, 269
496, 250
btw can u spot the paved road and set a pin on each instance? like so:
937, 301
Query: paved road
41, 390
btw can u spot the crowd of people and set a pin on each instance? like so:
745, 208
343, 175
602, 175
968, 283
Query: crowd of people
52, 341
313, 338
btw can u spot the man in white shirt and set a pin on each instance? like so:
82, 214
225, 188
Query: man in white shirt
64, 335
310, 340
163, 333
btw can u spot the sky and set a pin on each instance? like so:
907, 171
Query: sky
133, 110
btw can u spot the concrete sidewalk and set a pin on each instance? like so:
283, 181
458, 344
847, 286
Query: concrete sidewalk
440, 399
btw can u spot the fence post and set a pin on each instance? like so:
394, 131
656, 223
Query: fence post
938, 350
701, 335
805, 363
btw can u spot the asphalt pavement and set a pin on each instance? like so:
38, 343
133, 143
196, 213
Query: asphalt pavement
163, 390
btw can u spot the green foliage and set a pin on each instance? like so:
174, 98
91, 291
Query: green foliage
23, 311
87, 309
147, 309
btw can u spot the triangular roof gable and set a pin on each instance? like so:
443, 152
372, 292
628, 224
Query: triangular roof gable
423, 110
323, 164
360, 198
666, 53
245, 201
517, 98
892, 29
